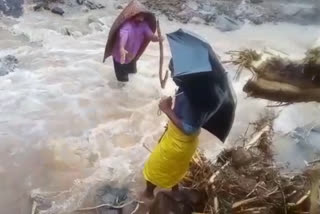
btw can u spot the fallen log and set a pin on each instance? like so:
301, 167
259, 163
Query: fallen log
280, 92
278, 78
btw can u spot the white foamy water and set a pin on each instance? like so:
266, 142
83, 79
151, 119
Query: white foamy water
63, 117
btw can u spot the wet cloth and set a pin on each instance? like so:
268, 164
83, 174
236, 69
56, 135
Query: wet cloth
192, 119
169, 162
123, 70
132, 35
132, 9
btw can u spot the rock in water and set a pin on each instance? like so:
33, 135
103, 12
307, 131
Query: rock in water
57, 10
93, 6
256, 1
112, 196
8, 64
11, 7
80, 2
197, 20
41, 5
37, 7
225, 23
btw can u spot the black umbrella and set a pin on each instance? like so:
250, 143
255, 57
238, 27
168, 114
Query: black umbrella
199, 74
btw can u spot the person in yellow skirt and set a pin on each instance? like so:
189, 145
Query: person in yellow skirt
169, 162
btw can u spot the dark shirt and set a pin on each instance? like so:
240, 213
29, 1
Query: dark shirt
192, 119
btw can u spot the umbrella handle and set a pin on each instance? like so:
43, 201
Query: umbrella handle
163, 81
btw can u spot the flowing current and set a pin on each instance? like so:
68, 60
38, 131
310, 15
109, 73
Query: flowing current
64, 120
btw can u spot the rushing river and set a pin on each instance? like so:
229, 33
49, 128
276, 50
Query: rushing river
63, 117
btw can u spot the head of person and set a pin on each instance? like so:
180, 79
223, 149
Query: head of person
139, 17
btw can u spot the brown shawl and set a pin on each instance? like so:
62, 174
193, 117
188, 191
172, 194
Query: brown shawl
133, 8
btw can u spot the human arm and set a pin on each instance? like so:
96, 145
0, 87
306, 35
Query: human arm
150, 35
165, 106
155, 38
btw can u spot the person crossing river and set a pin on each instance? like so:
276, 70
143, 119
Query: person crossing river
128, 38
169, 162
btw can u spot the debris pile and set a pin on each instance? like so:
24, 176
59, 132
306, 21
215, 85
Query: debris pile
278, 78
246, 180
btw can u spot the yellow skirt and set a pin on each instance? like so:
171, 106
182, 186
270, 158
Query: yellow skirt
169, 162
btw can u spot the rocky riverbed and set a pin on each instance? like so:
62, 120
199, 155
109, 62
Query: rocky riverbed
225, 15
229, 15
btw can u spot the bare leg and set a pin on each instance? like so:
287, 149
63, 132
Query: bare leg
148, 192
175, 188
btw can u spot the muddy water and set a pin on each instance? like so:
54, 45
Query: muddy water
64, 118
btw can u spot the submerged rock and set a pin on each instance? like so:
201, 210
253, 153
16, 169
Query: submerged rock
256, 1
225, 23
11, 7
119, 7
197, 20
8, 64
93, 6
113, 197
80, 2
238, 11
38, 7
57, 10
41, 5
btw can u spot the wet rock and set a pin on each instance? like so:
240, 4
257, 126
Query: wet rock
225, 23
80, 2
37, 7
67, 32
46, 7
192, 5
93, 19
255, 11
8, 64
57, 10
210, 18
186, 15
41, 5
240, 157
11, 7
197, 20
112, 196
306, 16
257, 20
256, 1
119, 7
93, 6
290, 11
178, 202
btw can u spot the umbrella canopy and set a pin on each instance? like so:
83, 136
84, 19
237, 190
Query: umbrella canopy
199, 73
190, 54
197, 70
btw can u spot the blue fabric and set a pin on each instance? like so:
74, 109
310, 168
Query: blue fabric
188, 129
197, 70
192, 120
